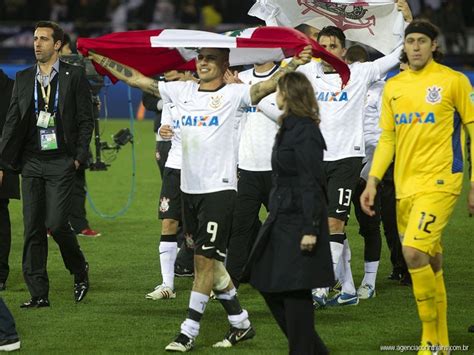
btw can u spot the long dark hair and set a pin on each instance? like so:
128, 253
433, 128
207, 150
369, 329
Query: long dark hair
299, 97
427, 28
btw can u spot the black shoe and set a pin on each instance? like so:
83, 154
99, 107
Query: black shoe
471, 329
180, 271
81, 284
36, 302
406, 280
395, 276
9, 344
80, 290
234, 336
3, 286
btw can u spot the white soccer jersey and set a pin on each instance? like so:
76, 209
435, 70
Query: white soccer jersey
372, 110
257, 130
342, 111
209, 122
372, 129
170, 116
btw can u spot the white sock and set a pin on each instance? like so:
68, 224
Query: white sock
370, 268
336, 253
321, 291
168, 252
240, 321
190, 328
339, 274
198, 301
348, 282
197, 306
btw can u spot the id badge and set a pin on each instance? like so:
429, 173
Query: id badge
48, 139
43, 119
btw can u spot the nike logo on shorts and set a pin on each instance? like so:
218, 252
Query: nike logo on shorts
340, 211
207, 248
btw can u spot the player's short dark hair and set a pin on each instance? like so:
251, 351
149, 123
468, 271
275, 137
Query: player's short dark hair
66, 40
225, 51
356, 53
333, 31
427, 28
58, 32
304, 28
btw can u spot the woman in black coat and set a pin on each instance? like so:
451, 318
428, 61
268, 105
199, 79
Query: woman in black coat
292, 255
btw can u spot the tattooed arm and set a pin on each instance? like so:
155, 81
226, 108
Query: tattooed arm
128, 75
264, 88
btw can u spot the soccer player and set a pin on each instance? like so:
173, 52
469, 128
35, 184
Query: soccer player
210, 112
169, 208
424, 110
369, 226
342, 113
255, 175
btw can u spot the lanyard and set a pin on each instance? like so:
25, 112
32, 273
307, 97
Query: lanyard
46, 97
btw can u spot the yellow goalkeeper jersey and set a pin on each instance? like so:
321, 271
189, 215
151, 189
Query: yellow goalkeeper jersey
427, 110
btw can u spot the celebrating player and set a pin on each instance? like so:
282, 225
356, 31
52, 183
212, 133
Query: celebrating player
210, 112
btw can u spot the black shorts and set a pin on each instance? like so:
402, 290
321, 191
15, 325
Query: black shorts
169, 206
342, 178
161, 154
207, 220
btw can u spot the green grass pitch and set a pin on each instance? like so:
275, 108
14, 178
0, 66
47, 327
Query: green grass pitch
115, 317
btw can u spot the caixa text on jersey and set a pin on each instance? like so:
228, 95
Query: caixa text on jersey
199, 121
414, 117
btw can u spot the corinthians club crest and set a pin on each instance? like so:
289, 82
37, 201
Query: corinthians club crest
216, 101
164, 204
433, 95
346, 17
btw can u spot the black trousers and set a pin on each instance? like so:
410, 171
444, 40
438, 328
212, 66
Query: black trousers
388, 210
5, 239
294, 313
369, 227
253, 190
7, 323
46, 191
77, 217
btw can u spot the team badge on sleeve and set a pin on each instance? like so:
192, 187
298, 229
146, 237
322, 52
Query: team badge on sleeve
433, 96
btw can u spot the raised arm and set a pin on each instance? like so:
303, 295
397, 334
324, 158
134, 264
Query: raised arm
264, 88
390, 61
127, 74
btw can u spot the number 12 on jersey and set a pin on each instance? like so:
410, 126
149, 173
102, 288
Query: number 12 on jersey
425, 221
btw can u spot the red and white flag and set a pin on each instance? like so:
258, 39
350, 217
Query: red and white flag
154, 51
376, 23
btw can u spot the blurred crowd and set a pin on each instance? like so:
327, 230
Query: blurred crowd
122, 15
95, 17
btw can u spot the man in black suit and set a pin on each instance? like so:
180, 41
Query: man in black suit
9, 189
47, 134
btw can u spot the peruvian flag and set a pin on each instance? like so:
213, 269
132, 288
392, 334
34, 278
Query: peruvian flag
155, 51
376, 23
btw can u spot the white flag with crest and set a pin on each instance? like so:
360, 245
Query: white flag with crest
376, 23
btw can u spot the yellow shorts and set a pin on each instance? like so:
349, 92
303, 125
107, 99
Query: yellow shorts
421, 219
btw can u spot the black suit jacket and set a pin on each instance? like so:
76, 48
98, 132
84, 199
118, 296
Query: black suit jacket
10, 185
75, 109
